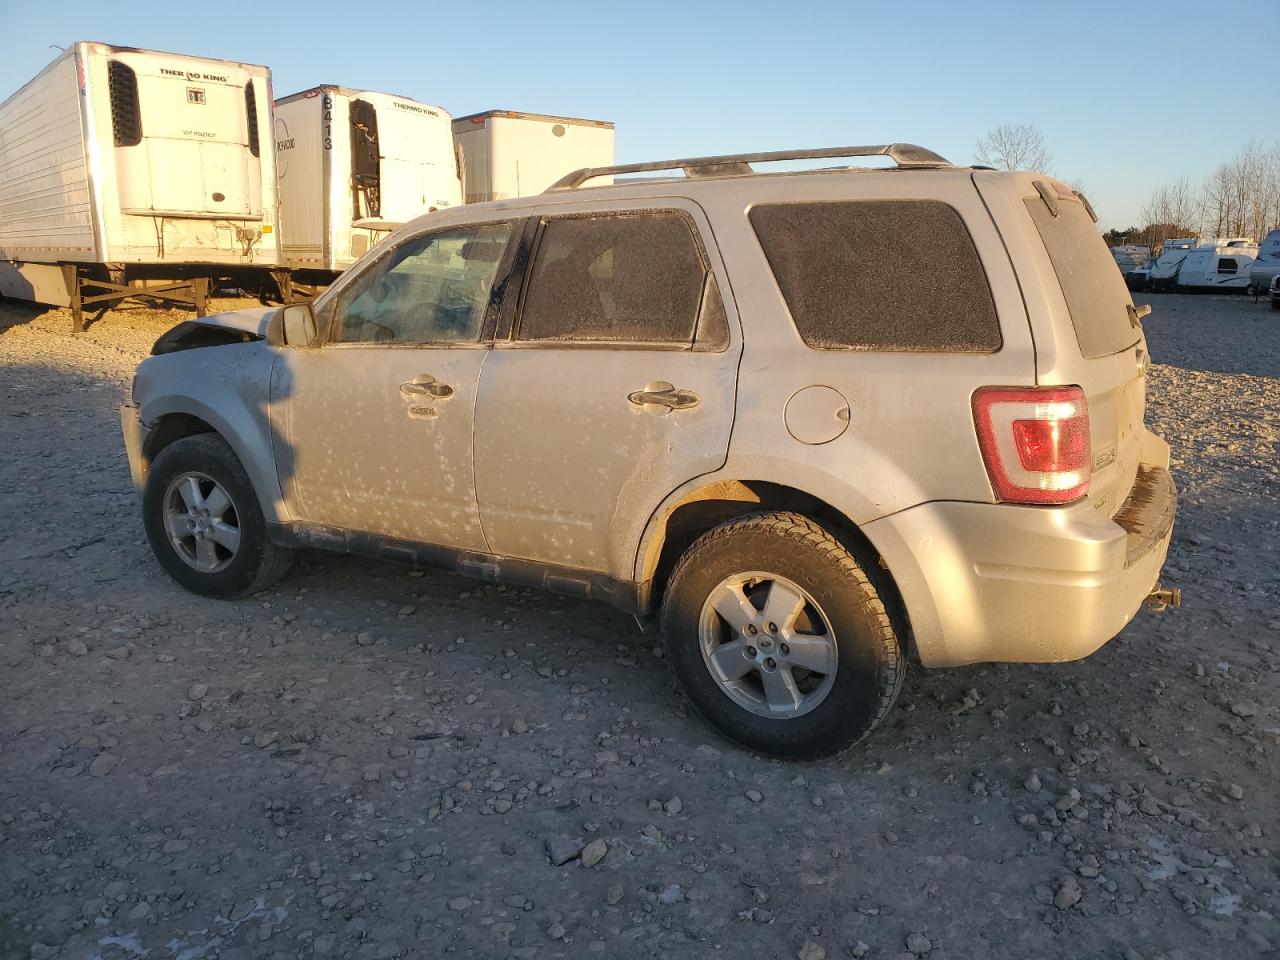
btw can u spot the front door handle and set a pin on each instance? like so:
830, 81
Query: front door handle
425, 386
663, 395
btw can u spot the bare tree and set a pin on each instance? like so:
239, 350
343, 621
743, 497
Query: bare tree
1174, 210
1241, 198
1013, 146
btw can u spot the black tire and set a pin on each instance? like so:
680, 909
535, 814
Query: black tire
1275, 304
257, 562
870, 665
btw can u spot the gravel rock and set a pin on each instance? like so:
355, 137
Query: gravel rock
594, 852
1068, 895
671, 895
103, 764
560, 850
918, 944
811, 951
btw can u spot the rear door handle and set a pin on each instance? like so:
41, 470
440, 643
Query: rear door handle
425, 386
664, 395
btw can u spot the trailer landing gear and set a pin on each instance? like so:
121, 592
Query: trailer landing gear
192, 293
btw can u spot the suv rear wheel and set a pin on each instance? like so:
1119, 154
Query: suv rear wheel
779, 639
204, 522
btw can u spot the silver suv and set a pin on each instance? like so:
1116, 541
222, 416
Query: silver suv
815, 422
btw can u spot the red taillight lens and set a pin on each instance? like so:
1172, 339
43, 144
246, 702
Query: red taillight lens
1035, 442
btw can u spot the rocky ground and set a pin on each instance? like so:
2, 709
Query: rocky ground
375, 762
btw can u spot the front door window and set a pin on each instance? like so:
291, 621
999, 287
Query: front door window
430, 289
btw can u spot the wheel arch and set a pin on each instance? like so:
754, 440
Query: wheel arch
675, 527
168, 429
171, 419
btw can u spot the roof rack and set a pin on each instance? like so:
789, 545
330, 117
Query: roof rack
736, 164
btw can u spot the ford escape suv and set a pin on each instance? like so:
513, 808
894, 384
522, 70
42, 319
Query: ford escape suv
813, 422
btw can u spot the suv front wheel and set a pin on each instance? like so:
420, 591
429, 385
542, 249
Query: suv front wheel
779, 639
205, 523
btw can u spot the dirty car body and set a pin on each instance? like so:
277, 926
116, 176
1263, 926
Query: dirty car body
576, 390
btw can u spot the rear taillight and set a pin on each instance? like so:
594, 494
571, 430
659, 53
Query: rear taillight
1035, 442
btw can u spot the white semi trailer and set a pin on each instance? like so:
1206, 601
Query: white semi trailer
509, 154
121, 165
352, 165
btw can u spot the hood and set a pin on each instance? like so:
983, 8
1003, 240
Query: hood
235, 326
253, 320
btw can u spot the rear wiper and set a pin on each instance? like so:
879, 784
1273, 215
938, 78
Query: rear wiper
1137, 313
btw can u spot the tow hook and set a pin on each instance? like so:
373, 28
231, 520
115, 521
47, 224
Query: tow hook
1162, 598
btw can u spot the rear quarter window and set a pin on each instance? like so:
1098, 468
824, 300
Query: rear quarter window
882, 275
1092, 286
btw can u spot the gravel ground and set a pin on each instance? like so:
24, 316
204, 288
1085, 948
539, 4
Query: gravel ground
375, 762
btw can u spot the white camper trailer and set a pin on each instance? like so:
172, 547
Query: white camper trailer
1221, 264
1267, 265
353, 165
1130, 257
118, 163
1164, 271
509, 154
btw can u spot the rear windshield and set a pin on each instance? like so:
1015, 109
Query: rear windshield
891, 275
1093, 288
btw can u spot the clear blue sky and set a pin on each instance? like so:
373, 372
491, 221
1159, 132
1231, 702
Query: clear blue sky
696, 78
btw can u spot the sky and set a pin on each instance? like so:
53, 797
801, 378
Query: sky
696, 78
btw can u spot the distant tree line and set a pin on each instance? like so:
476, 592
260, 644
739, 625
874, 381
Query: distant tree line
1241, 198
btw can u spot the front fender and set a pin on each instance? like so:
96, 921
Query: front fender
228, 387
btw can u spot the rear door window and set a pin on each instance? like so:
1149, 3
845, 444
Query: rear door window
886, 275
629, 278
1093, 288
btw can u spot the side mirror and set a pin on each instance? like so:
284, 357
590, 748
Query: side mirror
298, 324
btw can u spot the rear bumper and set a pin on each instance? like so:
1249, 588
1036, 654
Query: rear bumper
134, 436
997, 582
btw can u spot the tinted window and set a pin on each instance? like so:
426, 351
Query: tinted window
1227, 265
880, 275
430, 289
1096, 296
633, 278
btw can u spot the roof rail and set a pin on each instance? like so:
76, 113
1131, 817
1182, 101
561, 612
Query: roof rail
734, 164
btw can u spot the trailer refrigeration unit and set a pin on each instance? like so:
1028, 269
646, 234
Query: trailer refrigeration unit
509, 154
120, 165
353, 165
